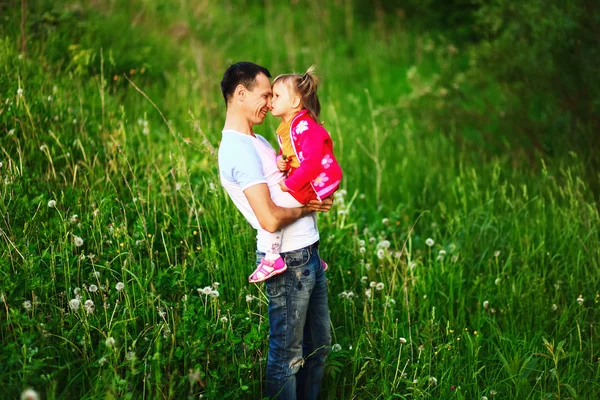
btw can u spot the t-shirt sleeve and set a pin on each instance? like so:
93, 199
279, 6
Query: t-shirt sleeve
248, 169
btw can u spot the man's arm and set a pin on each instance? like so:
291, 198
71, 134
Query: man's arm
270, 216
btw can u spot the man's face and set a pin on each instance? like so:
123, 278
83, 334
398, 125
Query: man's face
257, 102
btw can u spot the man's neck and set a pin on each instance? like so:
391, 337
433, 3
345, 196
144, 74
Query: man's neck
234, 121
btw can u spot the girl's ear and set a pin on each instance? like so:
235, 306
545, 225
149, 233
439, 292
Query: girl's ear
295, 102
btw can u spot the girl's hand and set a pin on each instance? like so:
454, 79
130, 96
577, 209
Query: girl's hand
283, 187
283, 164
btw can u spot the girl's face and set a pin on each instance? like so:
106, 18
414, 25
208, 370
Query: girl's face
285, 103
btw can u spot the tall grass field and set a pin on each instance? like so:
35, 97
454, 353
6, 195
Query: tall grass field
458, 270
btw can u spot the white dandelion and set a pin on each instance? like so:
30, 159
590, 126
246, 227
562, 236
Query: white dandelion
336, 347
372, 284
379, 286
486, 304
27, 305
442, 252
402, 340
76, 291
74, 219
30, 394
433, 381
102, 361
74, 304
412, 265
78, 241
362, 250
110, 342
19, 92
130, 356
381, 254
497, 281
119, 286
554, 307
361, 243
93, 288
580, 300
385, 221
249, 298
89, 306
429, 242
384, 244
364, 279
368, 293
214, 294
97, 274
224, 320
52, 203
343, 295
440, 258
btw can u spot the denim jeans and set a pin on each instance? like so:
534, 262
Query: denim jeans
300, 336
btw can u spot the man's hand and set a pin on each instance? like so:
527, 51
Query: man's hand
283, 187
324, 206
283, 164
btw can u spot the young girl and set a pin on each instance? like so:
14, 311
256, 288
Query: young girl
306, 155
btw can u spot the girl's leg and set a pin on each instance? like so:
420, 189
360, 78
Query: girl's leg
272, 263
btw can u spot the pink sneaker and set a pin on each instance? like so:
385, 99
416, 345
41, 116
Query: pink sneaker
324, 265
267, 269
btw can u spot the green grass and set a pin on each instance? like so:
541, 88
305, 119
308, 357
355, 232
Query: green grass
499, 312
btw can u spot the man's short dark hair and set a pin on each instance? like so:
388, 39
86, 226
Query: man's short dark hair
241, 73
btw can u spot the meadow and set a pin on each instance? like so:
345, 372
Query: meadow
459, 268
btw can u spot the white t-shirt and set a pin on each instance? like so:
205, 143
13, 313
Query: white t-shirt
246, 160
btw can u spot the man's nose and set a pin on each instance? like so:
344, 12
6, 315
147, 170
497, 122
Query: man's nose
269, 104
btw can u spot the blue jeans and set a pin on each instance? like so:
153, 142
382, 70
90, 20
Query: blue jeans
300, 335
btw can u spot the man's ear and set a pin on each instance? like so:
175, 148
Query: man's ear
240, 92
295, 102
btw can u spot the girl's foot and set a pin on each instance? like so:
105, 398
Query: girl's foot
267, 269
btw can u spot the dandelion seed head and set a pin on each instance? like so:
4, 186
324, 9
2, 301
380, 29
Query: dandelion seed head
496, 253
368, 293
93, 288
361, 243
379, 286
110, 342
52, 203
89, 306
97, 274
130, 356
364, 279
19, 92
580, 300
214, 294
336, 347
486, 304
119, 286
554, 307
224, 320
433, 381
372, 284
440, 258
30, 394
442, 252
381, 254
74, 219
362, 250
402, 340
385, 221
74, 304
102, 361
429, 242
27, 305
78, 241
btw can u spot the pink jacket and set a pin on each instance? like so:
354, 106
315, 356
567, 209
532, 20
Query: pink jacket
319, 172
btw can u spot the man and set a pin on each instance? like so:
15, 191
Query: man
299, 321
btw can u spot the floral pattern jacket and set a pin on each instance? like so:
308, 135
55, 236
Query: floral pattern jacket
319, 174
